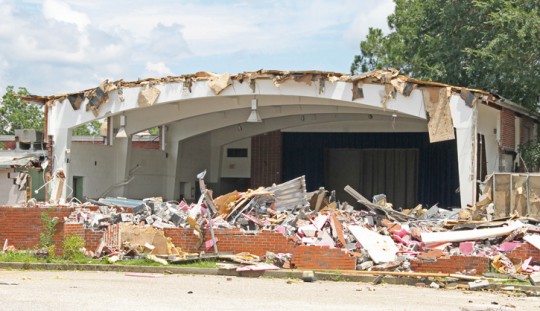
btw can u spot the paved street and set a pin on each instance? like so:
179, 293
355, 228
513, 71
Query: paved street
69, 290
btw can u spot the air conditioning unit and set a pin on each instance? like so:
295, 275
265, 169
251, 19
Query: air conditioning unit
29, 136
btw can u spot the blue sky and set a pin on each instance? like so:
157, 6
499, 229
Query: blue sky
54, 46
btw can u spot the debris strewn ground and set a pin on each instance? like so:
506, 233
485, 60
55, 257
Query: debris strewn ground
379, 237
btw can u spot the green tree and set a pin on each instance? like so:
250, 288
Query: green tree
486, 44
89, 129
16, 114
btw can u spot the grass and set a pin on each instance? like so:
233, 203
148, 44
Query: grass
515, 282
21, 256
199, 264
29, 257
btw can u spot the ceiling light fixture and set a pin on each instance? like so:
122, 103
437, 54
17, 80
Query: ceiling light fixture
254, 116
122, 130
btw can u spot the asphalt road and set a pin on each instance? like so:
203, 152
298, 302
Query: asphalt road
72, 290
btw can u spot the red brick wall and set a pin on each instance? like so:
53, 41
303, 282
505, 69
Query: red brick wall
452, 264
508, 128
524, 252
266, 153
234, 241
145, 144
9, 145
321, 258
22, 226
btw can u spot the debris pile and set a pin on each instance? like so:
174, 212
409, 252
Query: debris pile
379, 237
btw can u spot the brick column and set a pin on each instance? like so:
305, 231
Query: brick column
508, 129
266, 156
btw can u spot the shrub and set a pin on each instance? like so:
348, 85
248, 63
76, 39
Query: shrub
49, 229
530, 154
73, 246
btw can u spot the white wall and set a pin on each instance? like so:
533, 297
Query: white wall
489, 126
236, 167
9, 193
148, 171
464, 119
194, 157
95, 163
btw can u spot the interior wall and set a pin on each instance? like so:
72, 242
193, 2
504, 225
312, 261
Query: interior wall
149, 173
9, 194
236, 167
489, 126
194, 156
94, 163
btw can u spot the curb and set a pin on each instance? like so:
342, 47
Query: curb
278, 274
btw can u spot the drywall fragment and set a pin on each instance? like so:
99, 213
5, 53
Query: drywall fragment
478, 284
380, 248
188, 83
365, 265
357, 90
468, 235
403, 87
533, 239
156, 259
469, 97
466, 248
321, 85
278, 80
210, 243
218, 83
97, 97
258, 267
535, 278
148, 95
437, 105
304, 78
308, 230
76, 100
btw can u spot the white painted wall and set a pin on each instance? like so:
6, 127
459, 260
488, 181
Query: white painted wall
236, 167
148, 171
489, 126
194, 157
463, 119
9, 193
95, 163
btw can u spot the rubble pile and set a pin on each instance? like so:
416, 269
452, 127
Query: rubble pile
379, 237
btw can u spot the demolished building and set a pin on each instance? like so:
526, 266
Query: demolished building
381, 132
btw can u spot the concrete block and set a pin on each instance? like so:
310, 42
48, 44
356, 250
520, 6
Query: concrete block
365, 265
308, 276
478, 284
535, 278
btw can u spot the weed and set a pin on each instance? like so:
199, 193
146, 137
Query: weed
18, 256
49, 229
73, 246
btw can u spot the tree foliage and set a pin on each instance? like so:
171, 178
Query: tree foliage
487, 44
16, 114
89, 129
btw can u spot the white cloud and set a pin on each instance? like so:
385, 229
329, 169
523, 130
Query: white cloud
61, 11
4, 67
160, 68
55, 46
377, 17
